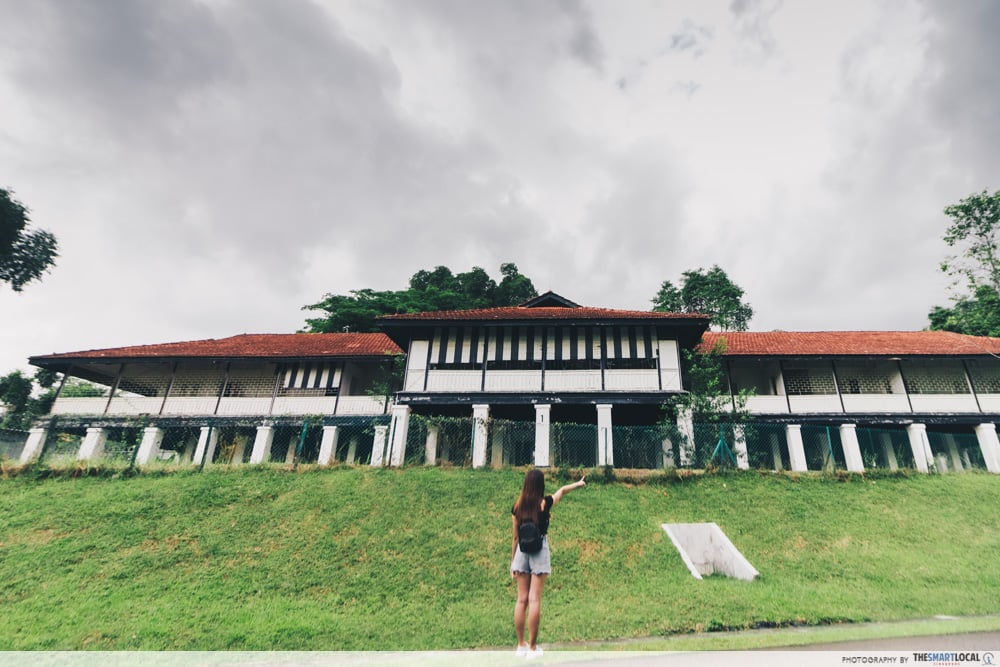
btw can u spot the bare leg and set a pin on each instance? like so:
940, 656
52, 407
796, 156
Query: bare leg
521, 606
535, 607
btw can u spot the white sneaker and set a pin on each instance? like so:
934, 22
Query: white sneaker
534, 653
522, 651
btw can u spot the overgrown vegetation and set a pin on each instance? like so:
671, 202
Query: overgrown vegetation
357, 558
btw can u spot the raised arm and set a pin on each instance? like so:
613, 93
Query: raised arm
557, 496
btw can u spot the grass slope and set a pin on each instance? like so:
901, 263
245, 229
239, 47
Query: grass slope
352, 559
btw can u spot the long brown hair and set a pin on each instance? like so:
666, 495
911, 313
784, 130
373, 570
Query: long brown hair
529, 503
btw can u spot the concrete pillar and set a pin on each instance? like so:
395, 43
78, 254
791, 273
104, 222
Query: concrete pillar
399, 429
954, 457
379, 455
207, 440
888, 452
605, 439
261, 452
480, 434
328, 445
93, 444
667, 454
149, 448
740, 448
431, 444
33, 445
852, 450
920, 446
775, 449
989, 443
685, 425
496, 446
543, 435
796, 450
352, 450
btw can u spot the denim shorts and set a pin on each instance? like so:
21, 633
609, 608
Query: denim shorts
536, 563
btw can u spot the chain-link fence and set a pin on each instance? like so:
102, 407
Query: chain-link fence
12, 444
451, 441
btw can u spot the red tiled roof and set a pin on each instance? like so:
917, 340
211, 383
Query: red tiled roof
850, 343
269, 346
541, 313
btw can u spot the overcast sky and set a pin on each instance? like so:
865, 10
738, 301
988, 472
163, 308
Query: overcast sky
211, 166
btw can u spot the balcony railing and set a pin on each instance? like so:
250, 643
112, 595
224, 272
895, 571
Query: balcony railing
227, 406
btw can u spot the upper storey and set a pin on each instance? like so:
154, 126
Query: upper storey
548, 344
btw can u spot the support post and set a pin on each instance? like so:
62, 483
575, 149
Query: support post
379, 455
796, 450
888, 452
262, 444
740, 447
989, 443
954, 458
685, 425
775, 450
480, 434
605, 437
852, 449
150, 445
93, 444
543, 435
328, 445
399, 430
920, 446
431, 444
33, 445
207, 440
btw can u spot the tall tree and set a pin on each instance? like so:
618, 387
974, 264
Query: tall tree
710, 293
975, 233
433, 290
25, 254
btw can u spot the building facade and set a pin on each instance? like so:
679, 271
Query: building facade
548, 382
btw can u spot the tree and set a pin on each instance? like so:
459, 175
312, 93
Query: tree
16, 395
710, 293
25, 254
974, 232
434, 290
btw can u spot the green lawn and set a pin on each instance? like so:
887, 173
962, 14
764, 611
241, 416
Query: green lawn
354, 559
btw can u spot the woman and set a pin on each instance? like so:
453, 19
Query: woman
531, 569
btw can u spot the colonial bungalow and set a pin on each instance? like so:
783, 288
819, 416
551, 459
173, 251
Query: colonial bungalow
918, 396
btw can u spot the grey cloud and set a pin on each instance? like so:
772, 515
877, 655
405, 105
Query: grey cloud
752, 23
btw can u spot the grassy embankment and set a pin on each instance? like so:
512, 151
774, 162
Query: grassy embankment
352, 559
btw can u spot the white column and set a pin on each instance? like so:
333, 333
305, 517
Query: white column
93, 444
889, 452
34, 444
986, 434
685, 425
740, 447
496, 447
920, 446
543, 435
150, 445
605, 439
953, 455
852, 450
480, 434
328, 445
262, 444
796, 450
207, 439
400, 429
379, 457
667, 453
775, 450
431, 444
352, 450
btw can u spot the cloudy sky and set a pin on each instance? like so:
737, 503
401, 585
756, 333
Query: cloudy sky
211, 166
